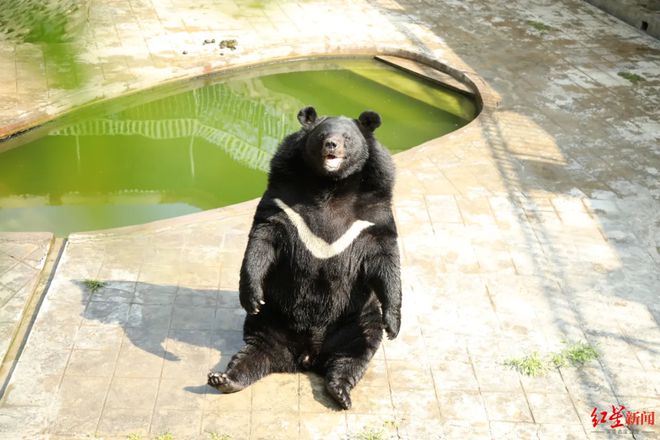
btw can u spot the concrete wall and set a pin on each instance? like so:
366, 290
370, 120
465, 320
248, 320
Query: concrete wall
642, 14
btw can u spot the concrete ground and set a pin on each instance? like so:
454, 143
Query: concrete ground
537, 223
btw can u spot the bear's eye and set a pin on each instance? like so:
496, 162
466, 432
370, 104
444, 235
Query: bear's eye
347, 137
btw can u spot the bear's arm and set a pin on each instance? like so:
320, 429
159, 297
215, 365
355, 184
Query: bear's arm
257, 261
384, 276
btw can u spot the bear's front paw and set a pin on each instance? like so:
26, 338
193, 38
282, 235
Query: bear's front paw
252, 302
391, 323
340, 392
222, 382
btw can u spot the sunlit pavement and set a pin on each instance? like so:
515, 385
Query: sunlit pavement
538, 223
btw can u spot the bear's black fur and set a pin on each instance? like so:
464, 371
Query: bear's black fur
311, 306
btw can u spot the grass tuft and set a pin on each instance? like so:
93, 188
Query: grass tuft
575, 354
632, 77
370, 434
93, 285
390, 424
531, 365
558, 360
216, 436
134, 436
579, 353
165, 436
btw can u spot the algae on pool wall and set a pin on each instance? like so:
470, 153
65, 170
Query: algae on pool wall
164, 154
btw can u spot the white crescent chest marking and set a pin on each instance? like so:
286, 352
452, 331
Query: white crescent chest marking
318, 247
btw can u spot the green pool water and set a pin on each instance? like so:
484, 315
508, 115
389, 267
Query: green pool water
182, 149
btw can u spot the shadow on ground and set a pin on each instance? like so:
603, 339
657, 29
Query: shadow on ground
152, 315
178, 324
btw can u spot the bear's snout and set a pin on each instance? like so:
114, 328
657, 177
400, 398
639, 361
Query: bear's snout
333, 153
333, 146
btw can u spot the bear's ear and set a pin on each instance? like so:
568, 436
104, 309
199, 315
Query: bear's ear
370, 120
307, 117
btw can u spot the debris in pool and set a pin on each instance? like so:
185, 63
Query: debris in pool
185, 52
229, 44
209, 41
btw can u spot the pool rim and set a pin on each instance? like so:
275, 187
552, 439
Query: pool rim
26, 127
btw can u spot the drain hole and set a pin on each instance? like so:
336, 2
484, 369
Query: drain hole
645, 25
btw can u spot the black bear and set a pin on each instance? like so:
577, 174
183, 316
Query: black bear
320, 278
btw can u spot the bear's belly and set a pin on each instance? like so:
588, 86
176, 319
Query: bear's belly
315, 299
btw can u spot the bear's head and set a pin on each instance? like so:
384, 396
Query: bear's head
337, 147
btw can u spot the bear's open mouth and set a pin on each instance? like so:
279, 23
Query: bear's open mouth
332, 162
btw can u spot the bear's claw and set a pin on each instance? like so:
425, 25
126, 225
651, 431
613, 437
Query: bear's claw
251, 301
391, 323
340, 393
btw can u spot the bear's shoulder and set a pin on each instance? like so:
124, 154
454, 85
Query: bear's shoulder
287, 159
378, 172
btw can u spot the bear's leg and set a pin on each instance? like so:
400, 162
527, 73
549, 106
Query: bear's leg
266, 351
347, 354
250, 364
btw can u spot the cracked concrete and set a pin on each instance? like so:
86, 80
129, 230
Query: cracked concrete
22, 258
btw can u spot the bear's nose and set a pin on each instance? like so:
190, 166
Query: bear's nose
333, 144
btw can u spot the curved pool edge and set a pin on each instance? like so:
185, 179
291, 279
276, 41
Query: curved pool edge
83, 99
486, 102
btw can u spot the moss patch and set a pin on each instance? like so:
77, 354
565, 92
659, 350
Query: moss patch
632, 77
540, 26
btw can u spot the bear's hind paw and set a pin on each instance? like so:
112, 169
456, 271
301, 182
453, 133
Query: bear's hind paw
223, 383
